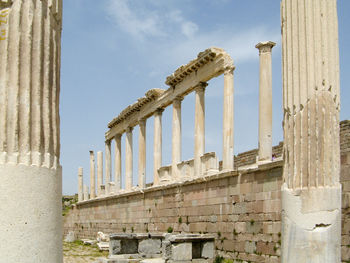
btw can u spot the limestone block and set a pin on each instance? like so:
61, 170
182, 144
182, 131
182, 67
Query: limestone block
210, 164
150, 246
70, 237
208, 250
182, 251
250, 247
166, 249
165, 175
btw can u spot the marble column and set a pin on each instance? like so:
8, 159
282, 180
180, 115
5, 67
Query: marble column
92, 175
86, 193
99, 172
311, 192
118, 163
265, 101
176, 138
108, 166
228, 117
128, 159
199, 128
80, 184
157, 147
30, 171
142, 154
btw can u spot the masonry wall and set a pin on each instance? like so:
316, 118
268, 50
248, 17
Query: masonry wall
242, 209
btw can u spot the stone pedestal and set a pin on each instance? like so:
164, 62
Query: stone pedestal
30, 172
311, 192
265, 101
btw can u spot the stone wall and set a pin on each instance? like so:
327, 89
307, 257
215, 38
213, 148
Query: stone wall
242, 208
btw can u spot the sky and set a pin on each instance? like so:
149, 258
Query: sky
113, 51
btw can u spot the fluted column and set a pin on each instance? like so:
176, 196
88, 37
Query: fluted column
99, 172
118, 162
265, 101
80, 184
86, 193
128, 159
199, 128
157, 149
108, 166
228, 118
311, 193
30, 172
142, 154
176, 137
92, 175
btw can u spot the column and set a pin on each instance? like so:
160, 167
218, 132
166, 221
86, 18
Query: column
99, 172
265, 101
157, 148
108, 166
142, 154
176, 137
86, 193
311, 192
199, 128
92, 175
128, 159
228, 117
80, 184
30, 171
118, 162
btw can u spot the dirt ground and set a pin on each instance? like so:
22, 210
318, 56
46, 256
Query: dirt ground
77, 252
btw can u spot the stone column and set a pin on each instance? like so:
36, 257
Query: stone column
265, 101
199, 128
228, 117
92, 175
99, 172
86, 193
30, 172
157, 154
142, 154
80, 184
118, 163
311, 193
128, 159
108, 166
176, 137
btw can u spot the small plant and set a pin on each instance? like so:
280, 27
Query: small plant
180, 220
275, 249
170, 229
149, 210
252, 222
219, 234
124, 229
219, 259
147, 230
279, 234
132, 229
235, 232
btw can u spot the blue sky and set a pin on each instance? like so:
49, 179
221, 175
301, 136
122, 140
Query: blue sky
113, 51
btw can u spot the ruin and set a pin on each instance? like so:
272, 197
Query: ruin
30, 171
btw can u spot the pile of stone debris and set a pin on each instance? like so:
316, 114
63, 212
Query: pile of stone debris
102, 240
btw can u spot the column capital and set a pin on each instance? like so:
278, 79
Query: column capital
129, 129
91, 152
142, 121
177, 100
117, 136
108, 142
229, 70
158, 111
265, 47
201, 86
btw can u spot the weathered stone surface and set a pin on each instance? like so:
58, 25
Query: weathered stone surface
70, 237
208, 250
150, 246
181, 251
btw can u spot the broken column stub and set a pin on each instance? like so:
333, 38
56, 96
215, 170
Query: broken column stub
30, 172
311, 192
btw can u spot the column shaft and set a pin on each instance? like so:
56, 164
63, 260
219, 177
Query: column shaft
108, 166
128, 159
142, 154
86, 193
30, 172
265, 101
99, 172
311, 193
80, 184
118, 162
176, 138
92, 175
228, 117
199, 128
157, 154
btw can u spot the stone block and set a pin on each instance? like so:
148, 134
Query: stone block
182, 251
70, 237
150, 246
250, 247
124, 246
208, 250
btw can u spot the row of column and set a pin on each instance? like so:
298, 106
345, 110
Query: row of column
265, 131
